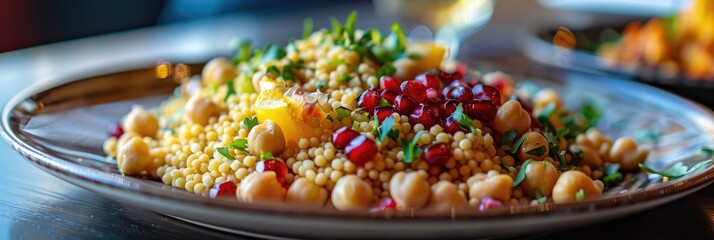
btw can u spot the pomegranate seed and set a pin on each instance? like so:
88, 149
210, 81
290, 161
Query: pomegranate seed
383, 112
452, 127
486, 92
275, 165
437, 154
460, 93
429, 80
461, 69
433, 93
384, 205
434, 106
422, 115
224, 189
390, 83
115, 130
389, 95
368, 100
483, 110
361, 150
342, 137
404, 104
449, 107
488, 203
414, 89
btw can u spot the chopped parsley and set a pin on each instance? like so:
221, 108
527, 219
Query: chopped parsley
539, 197
272, 52
539, 151
677, 170
230, 89
273, 70
612, 175
462, 119
250, 122
244, 49
386, 128
387, 69
410, 149
342, 113
266, 155
240, 144
580, 195
521, 173
591, 113
321, 84
344, 78
307, 26
561, 158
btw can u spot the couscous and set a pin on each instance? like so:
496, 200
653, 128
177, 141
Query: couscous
358, 121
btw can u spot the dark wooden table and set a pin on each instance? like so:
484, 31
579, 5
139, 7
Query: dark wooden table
35, 205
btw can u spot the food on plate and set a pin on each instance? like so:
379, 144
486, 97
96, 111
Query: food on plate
682, 44
361, 121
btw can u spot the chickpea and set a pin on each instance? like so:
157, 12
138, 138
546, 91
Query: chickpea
587, 155
626, 152
533, 143
260, 186
306, 192
200, 109
545, 97
406, 68
540, 175
134, 156
445, 196
110, 146
409, 190
266, 137
495, 186
596, 138
141, 121
512, 116
351, 194
570, 182
218, 71
124, 139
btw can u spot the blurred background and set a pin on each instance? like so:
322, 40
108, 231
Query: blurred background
30, 23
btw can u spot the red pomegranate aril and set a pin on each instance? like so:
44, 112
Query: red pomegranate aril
390, 83
429, 80
224, 189
404, 104
342, 137
437, 154
461, 69
115, 130
361, 150
422, 115
452, 127
414, 89
486, 92
384, 205
434, 106
488, 203
368, 100
383, 112
275, 165
433, 93
460, 93
389, 95
449, 107
483, 110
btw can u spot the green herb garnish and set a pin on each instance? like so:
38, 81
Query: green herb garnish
521, 173
243, 50
561, 158
677, 170
539, 197
580, 195
266, 155
230, 89
344, 78
577, 157
410, 149
307, 26
342, 113
706, 151
513, 147
321, 84
386, 127
462, 119
509, 137
612, 175
387, 69
273, 70
250, 122
591, 112
539, 151
272, 52
225, 151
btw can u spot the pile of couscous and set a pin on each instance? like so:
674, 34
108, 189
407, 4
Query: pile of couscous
355, 120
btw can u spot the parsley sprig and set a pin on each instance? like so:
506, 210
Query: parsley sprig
250, 122
240, 144
677, 170
410, 149
462, 119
